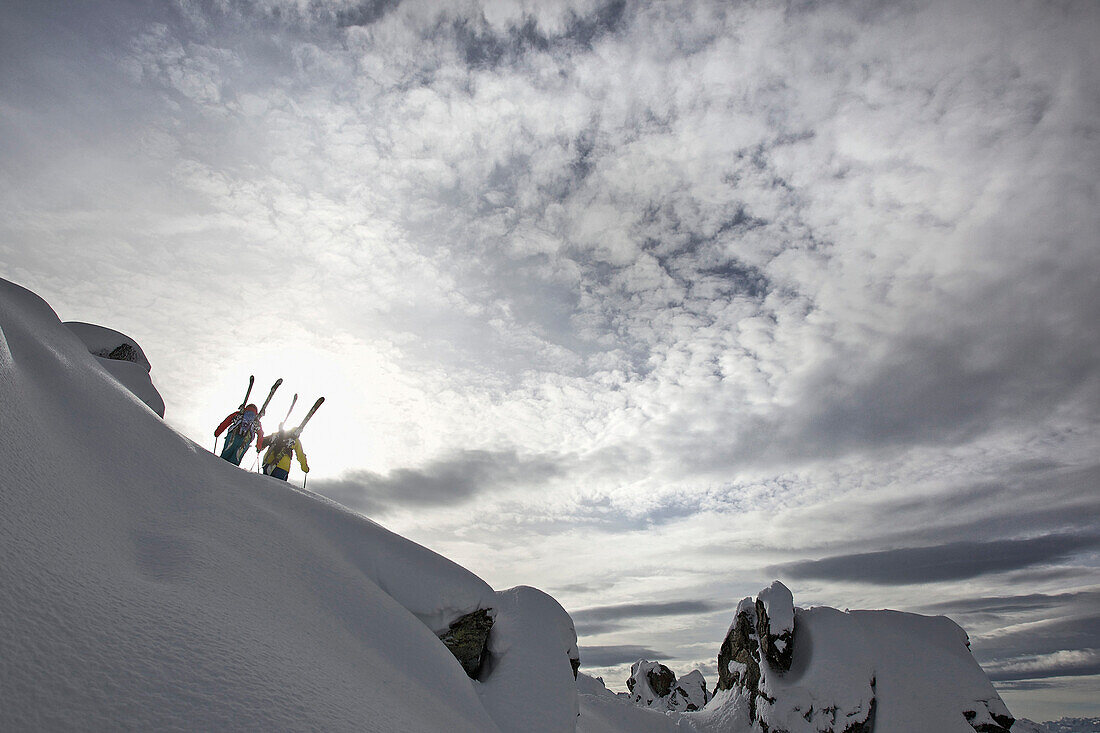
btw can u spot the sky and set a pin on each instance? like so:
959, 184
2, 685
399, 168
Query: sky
644, 304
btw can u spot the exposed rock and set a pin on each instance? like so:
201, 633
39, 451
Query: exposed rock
990, 716
653, 685
122, 352
820, 670
123, 359
108, 343
653, 680
575, 663
689, 693
467, 638
739, 656
775, 625
758, 652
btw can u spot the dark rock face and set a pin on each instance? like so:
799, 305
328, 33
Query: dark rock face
986, 720
661, 680
777, 649
467, 637
124, 352
739, 647
575, 663
739, 658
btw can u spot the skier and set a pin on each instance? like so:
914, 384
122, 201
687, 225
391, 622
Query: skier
244, 424
280, 447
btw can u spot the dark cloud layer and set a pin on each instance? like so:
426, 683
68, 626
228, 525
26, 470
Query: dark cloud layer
610, 656
601, 619
1001, 605
447, 481
954, 561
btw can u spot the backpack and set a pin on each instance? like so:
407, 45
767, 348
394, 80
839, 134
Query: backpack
282, 444
244, 424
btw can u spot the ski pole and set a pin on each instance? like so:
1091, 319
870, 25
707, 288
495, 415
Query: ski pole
305, 477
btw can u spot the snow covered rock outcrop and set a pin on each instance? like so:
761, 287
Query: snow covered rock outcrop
820, 670
466, 638
123, 359
653, 685
690, 692
149, 585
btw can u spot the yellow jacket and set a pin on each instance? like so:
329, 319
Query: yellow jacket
283, 459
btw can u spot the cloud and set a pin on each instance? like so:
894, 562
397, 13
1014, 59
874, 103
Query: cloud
1041, 637
1076, 662
638, 610
1002, 605
610, 656
446, 481
953, 561
601, 619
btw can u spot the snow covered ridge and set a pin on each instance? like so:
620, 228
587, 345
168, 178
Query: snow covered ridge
784, 669
146, 584
123, 359
820, 669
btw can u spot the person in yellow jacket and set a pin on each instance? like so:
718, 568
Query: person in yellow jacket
280, 447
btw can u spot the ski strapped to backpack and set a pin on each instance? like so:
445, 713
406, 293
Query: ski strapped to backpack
293, 402
283, 442
270, 394
298, 430
251, 381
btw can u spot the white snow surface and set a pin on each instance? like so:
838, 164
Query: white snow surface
101, 341
149, 585
924, 680
133, 375
923, 673
603, 711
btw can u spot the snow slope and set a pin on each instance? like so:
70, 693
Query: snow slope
147, 584
123, 359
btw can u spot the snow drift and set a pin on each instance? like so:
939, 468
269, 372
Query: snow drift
148, 584
123, 359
